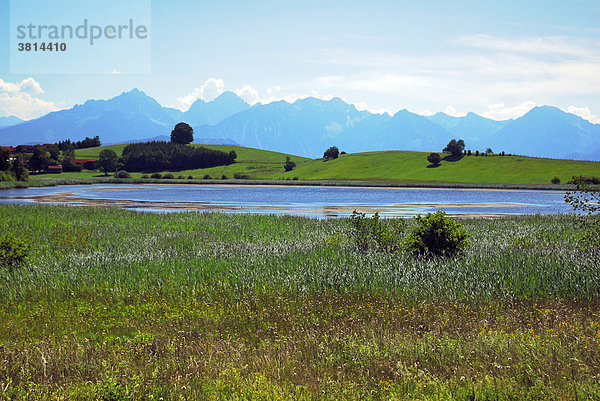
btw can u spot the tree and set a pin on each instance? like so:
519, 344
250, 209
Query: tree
488, 150
108, 161
182, 133
39, 160
434, 158
585, 197
54, 152
19, 170
289, 164
331, 153
455, 148
4, 159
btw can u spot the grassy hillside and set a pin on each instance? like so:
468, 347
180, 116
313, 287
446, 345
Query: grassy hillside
407, 166
389, 166
255, 163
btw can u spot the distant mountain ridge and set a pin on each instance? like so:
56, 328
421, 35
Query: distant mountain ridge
9, 121
308, 126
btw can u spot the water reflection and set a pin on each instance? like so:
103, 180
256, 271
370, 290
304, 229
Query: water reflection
320, 202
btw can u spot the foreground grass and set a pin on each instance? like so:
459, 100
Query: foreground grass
121, 305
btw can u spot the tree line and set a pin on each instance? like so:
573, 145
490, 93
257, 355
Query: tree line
161, 156
83, 144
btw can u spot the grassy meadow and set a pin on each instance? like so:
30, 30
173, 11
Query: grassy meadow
406, 167
115, 304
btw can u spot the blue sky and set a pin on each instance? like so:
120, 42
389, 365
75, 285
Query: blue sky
498, 59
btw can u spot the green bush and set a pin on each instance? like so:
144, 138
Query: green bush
168, 176
156, 175
13, 250
6, 176
122, 174
190, 177
206, 177
375, 234
555, 181
437, 235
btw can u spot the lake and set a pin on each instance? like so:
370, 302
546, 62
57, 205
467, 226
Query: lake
310, 201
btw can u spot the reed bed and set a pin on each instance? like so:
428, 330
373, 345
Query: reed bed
115, 304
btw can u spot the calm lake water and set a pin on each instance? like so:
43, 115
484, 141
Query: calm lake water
311, 201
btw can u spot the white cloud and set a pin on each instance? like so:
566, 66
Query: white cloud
248, 94
18, 99
208, 91
583, 112
273, 90
500, 111
451, 111
545, 45
362, 106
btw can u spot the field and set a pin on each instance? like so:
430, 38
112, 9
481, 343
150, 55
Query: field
254, 163
114, 304
383, 167
404, 166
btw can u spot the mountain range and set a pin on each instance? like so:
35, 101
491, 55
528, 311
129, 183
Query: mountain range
308, 126
9, 121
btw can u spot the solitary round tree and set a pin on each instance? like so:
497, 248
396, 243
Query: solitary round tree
182, 133
108, 160
331, 153
434, 159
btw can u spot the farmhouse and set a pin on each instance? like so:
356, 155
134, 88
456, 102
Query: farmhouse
54, 169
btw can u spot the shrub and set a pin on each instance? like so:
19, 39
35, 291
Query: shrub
438, 235
168, 176
289, 164
145, 176
190, 177
156, 175
180, 177
206, 177
122, 174
13, 250
240, 176
375, 234
434, 159
223, 177
555, 180
6, 176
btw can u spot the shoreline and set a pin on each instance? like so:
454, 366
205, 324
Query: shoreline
320, 183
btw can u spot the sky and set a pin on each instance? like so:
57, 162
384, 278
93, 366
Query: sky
497, 59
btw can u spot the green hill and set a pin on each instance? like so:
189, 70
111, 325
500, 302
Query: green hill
408, 166
254, 163
389, 166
